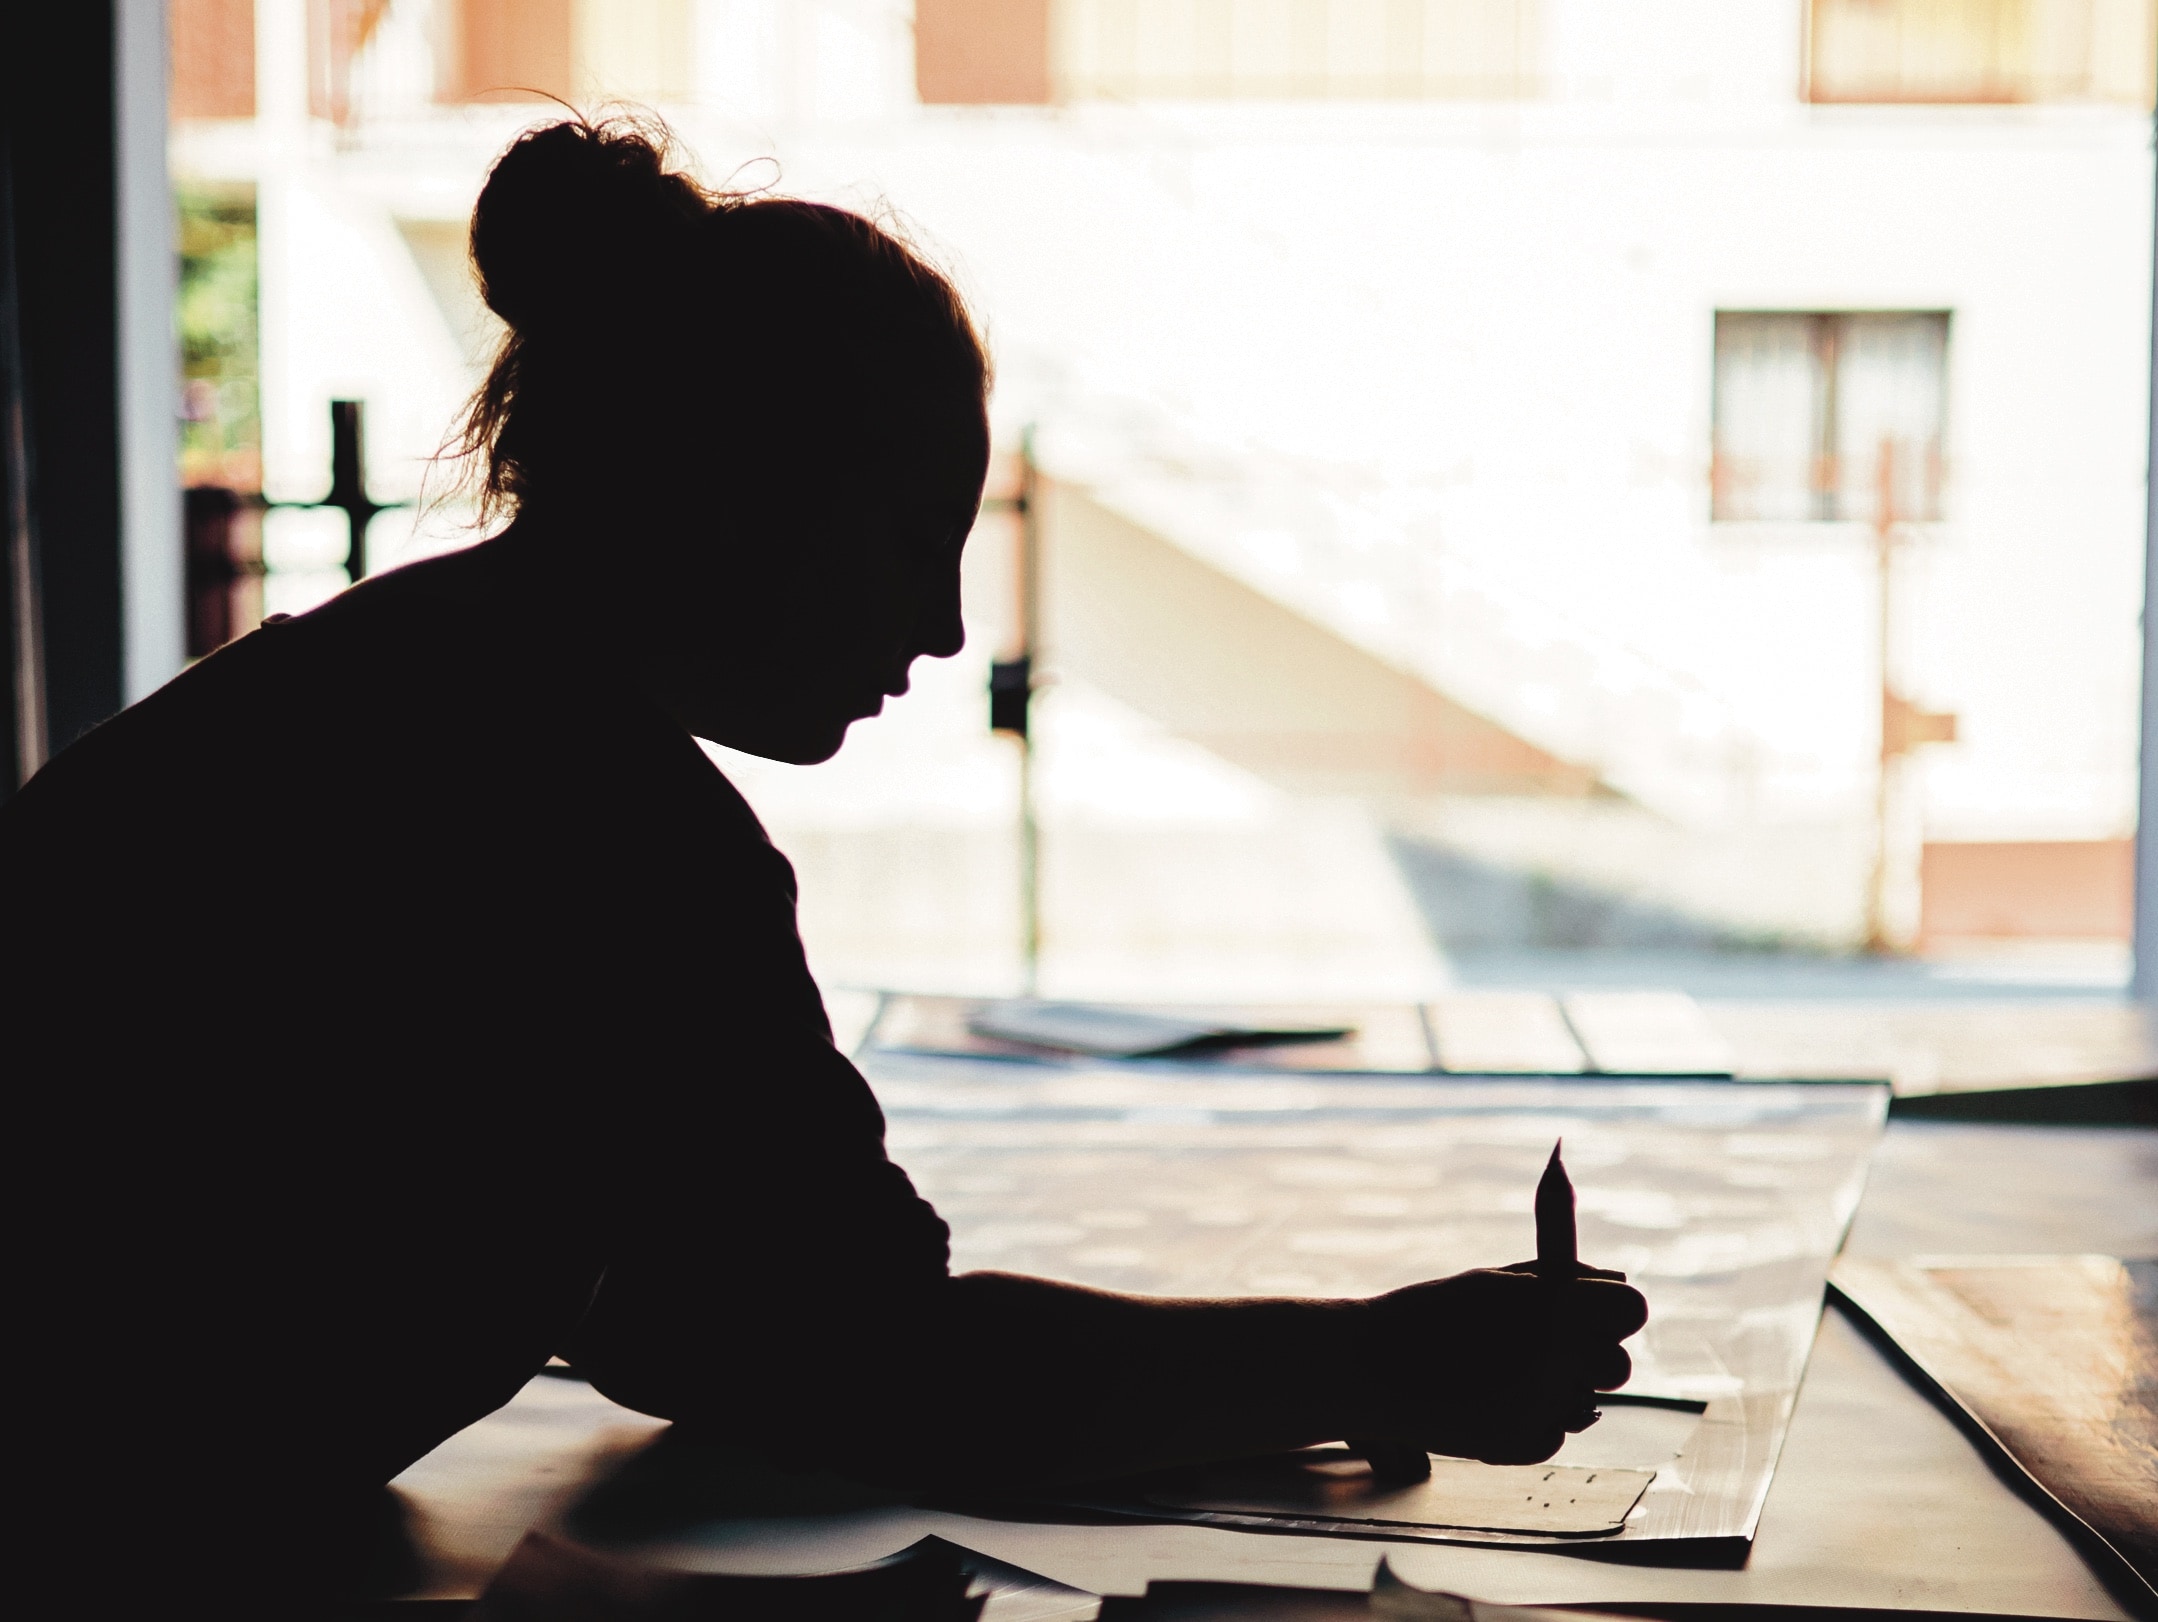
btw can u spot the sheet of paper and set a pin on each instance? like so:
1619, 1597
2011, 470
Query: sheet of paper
852, 1013
556, 1578
1367, 1037
1332, 1484
1659, 1033
2056, 1357
1503, 1033
1724, 1203
1122, 1032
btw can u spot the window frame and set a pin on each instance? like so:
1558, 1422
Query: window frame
1826, 488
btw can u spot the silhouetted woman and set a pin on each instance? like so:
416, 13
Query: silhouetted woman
401, 996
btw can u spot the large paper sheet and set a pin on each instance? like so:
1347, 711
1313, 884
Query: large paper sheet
1723, 1201
1330, 1485
2055, 1359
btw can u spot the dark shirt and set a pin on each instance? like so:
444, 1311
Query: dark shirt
396, 999
393, 1003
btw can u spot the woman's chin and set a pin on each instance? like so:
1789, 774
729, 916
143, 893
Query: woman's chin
806, 745
814, 752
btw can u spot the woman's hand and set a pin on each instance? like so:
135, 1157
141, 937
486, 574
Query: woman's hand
1498, 1364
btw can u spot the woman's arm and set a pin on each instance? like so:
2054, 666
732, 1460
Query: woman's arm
993, 1380
773, 1277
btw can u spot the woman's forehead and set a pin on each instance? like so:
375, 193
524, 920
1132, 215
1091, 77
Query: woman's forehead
948, 450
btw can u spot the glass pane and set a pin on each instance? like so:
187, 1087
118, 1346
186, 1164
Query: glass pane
1891, 377
1769, 401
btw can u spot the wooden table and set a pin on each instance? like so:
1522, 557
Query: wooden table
1879, 1501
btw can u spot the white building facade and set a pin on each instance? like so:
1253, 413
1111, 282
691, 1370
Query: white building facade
1407, 316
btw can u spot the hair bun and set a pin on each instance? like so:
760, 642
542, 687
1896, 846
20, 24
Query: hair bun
575, 218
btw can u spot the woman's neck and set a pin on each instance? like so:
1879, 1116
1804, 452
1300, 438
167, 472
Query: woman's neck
534, 579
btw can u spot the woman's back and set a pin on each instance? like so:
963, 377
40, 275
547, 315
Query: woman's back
363, 978
385, 817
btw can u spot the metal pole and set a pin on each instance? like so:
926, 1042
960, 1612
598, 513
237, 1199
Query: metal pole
1884, 553
1030, 609
25, 593
2145, 983
1011, 696
348, 483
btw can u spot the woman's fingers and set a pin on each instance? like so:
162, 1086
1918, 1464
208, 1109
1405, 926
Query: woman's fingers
1596, 1301
1613, 1370
1586, 1369
1535, 1269
1604, 1308
1499, 1365
1529, 1444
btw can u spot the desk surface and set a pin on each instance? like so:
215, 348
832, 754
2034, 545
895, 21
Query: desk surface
1878, 1501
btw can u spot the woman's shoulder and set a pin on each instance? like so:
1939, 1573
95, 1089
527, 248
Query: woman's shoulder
414, 722
190, 724
360, 695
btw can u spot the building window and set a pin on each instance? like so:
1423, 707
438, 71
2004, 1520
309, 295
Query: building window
1980, 50
1819, 416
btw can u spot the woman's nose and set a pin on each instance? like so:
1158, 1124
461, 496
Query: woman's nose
942, 629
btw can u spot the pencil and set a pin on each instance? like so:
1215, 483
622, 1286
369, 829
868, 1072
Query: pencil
1558, 1251
1558, 1246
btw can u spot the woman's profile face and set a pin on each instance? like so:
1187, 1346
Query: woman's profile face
850, 594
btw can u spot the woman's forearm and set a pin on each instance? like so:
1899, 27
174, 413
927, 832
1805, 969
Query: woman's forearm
1054, 1382
987, 1380
993, 1381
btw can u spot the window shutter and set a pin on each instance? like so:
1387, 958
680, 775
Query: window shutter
1980, 50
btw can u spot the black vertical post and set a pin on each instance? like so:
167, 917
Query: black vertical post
212, 516
57, 112
348, 478
348, 482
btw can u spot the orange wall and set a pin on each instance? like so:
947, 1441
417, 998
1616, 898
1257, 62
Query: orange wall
510, 45
2081, 888
982, 51
213, 58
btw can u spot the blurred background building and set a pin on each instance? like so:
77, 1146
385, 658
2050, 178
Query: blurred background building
1541, 492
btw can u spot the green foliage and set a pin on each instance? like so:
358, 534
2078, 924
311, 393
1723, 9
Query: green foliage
220, 336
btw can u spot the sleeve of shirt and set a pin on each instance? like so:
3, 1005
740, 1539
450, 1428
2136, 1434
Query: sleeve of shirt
770, 1274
